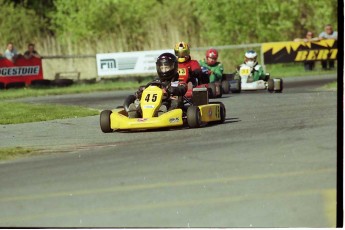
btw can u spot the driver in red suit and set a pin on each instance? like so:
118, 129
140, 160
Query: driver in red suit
189, 70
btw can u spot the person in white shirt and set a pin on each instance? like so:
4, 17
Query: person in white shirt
328, 33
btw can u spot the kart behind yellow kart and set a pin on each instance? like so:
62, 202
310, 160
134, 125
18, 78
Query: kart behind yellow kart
194, 113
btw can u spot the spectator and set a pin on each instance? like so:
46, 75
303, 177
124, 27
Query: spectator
328, 33
31, 52
11, 53
309, 37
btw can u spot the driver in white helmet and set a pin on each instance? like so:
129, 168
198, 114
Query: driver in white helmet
257, 71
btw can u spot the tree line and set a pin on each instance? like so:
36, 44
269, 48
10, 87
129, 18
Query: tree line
135, 25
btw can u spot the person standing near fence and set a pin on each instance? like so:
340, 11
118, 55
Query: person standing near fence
31, 52
11, 53
309, 37
328, 33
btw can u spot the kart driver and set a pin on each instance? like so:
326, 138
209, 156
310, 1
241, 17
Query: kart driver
167, 70
185, 63
214, 68
257, 71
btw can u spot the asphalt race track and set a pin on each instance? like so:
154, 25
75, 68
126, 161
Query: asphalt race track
271, 164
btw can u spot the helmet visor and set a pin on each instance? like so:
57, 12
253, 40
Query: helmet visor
165, 67
181, 53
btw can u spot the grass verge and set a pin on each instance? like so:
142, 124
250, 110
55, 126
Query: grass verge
331, 86
14, 113
16, 152
73, 89
296, 69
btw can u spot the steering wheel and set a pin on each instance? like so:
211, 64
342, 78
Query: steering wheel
160, 85
155, 83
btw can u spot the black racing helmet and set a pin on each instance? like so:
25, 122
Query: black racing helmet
166, 66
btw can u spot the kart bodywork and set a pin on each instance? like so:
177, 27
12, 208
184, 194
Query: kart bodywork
246, 83
194, 114
214, 89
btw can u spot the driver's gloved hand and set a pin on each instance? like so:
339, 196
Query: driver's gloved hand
139, 92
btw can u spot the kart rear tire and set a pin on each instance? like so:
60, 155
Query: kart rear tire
193, 117
212, 88
105, 121
235, 86
222, 113
281, 86
226, 87
270, 85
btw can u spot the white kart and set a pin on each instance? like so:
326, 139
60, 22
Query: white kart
246, 82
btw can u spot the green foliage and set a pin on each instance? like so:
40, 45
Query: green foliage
156, 24
18, 24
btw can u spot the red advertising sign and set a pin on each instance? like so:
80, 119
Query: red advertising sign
23, 70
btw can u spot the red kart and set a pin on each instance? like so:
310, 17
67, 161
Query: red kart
214, 89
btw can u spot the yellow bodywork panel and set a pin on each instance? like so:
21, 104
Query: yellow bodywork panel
118, 120
210, 112
151, 100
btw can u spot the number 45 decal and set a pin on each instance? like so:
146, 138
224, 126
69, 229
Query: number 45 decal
153, 98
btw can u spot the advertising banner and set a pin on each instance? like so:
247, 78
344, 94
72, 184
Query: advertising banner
141, 62
23, 70
283, 52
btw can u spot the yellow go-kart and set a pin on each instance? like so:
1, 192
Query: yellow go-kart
194, 113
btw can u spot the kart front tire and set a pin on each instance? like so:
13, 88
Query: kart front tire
105, 121
226, 87
219, 90
235, 86
212, 88
270, 85
193, 117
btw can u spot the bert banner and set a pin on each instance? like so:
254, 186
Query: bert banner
279, 52
23, 70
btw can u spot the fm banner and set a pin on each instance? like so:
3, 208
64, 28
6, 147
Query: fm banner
23, 70
141, 62
282, 52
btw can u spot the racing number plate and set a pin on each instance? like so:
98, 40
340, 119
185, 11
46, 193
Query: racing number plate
244, 71
182, 71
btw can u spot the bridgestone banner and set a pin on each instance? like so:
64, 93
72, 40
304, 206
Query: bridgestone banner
23, 70
283, 52
141, 62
